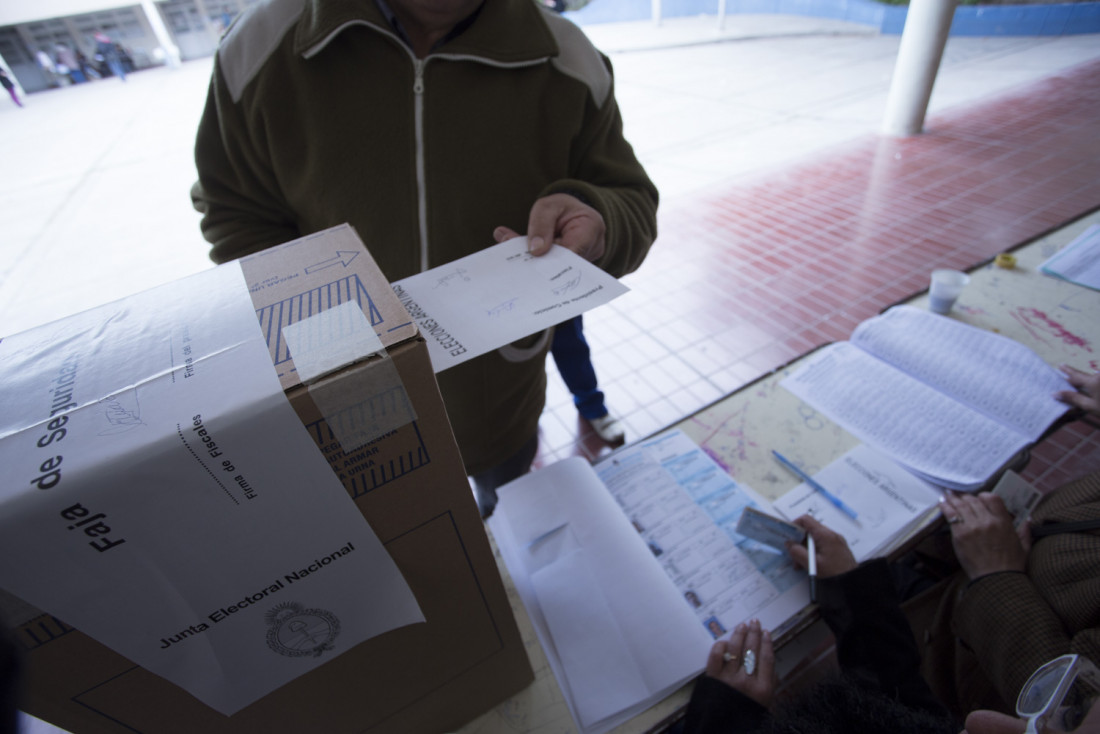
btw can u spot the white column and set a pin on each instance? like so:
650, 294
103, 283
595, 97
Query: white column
655, 10
927, 26
171, 50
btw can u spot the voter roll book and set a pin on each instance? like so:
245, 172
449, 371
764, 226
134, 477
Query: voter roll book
769, 530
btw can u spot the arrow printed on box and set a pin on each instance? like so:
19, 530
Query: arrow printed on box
342, 258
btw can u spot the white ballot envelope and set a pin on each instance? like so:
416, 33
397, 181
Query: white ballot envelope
499, 295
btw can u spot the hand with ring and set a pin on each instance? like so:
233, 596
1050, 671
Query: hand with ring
982, 534
746, 662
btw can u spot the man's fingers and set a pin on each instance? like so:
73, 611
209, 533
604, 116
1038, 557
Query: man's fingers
808, 523
752, 642
503, 234
1079, 400
994, 504
767, 656
799, 554
542, 224
1076, 377
715, 661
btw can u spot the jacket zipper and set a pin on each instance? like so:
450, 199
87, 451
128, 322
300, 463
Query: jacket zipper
418, 112
421, 178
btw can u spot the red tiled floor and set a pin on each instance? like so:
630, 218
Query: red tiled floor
760, 271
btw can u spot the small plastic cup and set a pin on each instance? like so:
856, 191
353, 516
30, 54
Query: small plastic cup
945, 289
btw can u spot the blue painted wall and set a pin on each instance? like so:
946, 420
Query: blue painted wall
970, 20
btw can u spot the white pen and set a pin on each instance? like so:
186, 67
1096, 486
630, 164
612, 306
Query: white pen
812, 551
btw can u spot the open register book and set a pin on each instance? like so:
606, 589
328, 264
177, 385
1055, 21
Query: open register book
951, 402
631, 568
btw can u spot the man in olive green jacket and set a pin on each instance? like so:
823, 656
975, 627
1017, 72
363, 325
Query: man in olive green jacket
434, 127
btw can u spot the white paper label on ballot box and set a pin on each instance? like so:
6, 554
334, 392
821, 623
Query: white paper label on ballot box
161, 496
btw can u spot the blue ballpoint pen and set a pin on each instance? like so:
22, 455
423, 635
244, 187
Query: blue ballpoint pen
836, 501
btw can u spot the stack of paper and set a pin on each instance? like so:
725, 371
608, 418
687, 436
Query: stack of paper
950, 402
1079, 261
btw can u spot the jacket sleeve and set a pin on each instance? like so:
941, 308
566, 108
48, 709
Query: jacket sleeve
716, 708
874, 642
1012, 630
609, 178
1014, 624
236, 192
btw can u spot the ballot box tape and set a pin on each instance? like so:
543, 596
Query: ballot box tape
329, 340
359, 407
365, 405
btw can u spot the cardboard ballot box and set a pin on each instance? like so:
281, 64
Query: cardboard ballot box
407, 480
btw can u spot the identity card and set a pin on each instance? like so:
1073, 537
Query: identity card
764, 528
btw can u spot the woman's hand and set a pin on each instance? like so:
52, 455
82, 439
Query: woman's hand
1087, 397
728, 662
981, 531
834, 557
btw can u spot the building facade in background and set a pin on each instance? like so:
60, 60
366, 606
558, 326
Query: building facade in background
146, 33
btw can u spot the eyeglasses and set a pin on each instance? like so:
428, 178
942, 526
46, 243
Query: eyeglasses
1047, 697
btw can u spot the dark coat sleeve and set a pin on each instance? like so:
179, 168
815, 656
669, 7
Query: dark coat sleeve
1015, 622
874, 641
715, 708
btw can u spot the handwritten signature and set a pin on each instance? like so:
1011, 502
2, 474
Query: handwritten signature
502, 308
456, 275
568, 286
119, 416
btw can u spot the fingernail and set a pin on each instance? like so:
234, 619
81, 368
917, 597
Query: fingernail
535, 243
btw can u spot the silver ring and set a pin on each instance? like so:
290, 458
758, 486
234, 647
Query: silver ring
750, 662
727, 657
953, 520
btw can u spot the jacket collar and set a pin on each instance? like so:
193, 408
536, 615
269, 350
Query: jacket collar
505, 31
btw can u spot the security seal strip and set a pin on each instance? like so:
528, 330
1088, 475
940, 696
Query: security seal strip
363, 406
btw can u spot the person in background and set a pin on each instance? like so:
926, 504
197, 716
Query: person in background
435, 128
108, 51
86, 69
574, 362
68, 63
9, 84
879, 687
49, 68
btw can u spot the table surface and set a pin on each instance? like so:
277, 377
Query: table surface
1058, 320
